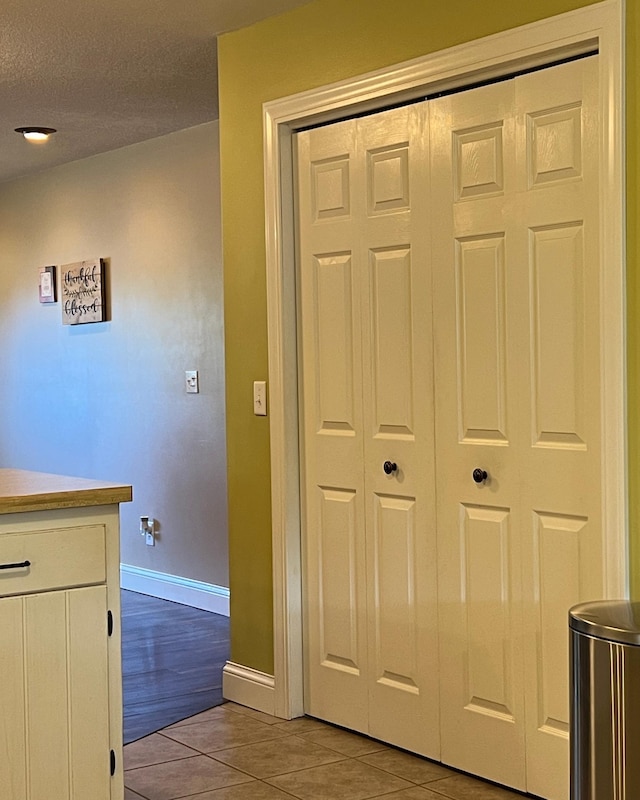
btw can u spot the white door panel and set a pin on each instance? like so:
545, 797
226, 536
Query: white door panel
398, 418
563, 543
365, 326
479, 560
336, 668
518, 261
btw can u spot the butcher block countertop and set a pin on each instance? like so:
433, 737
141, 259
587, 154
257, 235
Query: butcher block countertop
21, 490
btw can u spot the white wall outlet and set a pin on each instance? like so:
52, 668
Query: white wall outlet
192, 381
148, 530
260, 398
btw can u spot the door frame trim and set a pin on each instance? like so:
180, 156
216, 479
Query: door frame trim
597, 26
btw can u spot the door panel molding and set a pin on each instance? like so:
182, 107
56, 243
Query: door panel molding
598, 27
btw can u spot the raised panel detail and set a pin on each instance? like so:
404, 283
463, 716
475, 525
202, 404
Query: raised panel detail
13, 731
478, 162
388, 179
330, 192
88, 676
481, 340
554, 145
396, 621
558, 320
334, 344
562, 548
338, 598
47, 693
486, 555
392, 346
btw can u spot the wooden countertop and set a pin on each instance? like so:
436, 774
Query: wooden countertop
21, 490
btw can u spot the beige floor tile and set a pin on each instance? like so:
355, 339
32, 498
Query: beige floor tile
302, 758
266, 759
221, 732
212, 713
154, 749
404, 765
464, 787
347, 780
301, 725
251, 712
181, 778
415, 793
349, 744
256, 790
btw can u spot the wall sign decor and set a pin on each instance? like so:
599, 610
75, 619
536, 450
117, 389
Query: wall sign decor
47, 285
82, 287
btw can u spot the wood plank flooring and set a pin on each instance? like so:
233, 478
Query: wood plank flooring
172, 659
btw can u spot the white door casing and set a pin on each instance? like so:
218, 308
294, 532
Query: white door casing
597, 27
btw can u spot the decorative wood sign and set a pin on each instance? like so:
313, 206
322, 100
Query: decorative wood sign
82, 286
47, 285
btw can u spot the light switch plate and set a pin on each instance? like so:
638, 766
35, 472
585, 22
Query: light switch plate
260, 398
192, 383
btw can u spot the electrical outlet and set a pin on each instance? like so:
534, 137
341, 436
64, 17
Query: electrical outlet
147, 529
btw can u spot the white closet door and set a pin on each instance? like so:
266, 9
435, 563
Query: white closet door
475, 216
561, 464
477, 364
330, 289
517, 327
398, 428
365, 330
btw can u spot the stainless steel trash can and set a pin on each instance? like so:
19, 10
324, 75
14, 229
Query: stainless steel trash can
605, 700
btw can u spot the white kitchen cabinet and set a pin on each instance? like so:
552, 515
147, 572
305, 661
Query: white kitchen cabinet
60, 658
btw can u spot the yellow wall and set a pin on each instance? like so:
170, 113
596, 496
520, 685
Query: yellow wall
320, 43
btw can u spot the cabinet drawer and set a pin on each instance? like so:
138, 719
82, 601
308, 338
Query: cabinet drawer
58, 558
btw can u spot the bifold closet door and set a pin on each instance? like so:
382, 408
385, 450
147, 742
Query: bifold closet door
517, 332
367, 401
450, 250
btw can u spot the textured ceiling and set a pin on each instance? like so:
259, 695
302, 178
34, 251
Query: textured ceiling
109, 73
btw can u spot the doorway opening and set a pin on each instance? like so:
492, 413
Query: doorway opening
577, 33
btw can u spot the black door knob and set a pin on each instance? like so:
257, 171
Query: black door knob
479, 475
389, 467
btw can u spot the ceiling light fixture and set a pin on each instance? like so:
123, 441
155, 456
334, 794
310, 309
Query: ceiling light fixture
35, 133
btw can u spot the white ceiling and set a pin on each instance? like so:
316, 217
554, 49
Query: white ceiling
109, 73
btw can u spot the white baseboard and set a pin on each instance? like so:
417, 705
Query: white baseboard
249, 687
192, 593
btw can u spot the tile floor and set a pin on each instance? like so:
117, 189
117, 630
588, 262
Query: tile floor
233, 753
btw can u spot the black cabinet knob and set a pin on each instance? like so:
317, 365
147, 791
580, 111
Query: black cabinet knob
479, 475
389, 467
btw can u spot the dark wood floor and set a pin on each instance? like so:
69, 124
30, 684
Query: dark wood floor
172, 659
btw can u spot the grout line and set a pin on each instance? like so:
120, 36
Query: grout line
436, 784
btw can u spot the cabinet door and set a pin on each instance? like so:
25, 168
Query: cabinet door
54, 727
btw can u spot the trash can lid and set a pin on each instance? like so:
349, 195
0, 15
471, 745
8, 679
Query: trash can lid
613, 620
